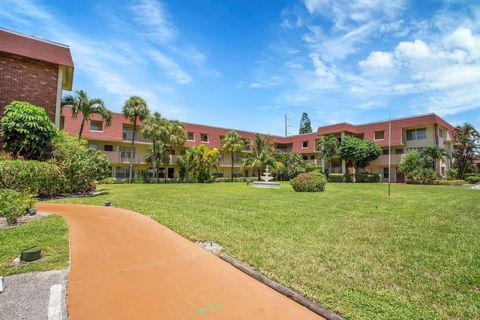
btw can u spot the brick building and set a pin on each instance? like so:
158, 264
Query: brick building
34, 70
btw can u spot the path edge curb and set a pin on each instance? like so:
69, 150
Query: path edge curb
245, 268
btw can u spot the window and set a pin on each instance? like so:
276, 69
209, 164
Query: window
440, 132
190, 136
93, 146
417, 134
384, 151
379, 135
399, 151
108, 147
62, 122
127, 133
312, 157
95, 126
204, 137
305, 144
385, 173
122, 172
305, 157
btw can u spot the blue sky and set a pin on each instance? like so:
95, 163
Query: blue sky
244, 64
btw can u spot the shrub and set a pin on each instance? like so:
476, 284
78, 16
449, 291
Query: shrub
367, 177
335, 177
449, 182
81, 166
289, 165
314, 181
34, 177
348, 177
27, 131
237, 179
473, 179
14, 204
109, 180
452, 174
309, 167
421, 175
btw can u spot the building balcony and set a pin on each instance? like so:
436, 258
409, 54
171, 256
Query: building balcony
124, 157
228, 162
138, 138
383, 160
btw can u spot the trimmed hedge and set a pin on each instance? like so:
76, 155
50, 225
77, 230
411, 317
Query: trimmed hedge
348, 177
41, 179
314, 181
14, 204
472, 178
441, 182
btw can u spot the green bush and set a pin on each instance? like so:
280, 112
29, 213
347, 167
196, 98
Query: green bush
367, 177
109, 180
81, 166
42, 179
27, 131
309, 167
449, 182
238, 179
421, 175
473, 179
452, 174
348, 177
14, 204
314, 181
335, 177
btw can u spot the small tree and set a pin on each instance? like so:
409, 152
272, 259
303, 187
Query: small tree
433, 154
416, 168
232, 143
27, 131
358, 152
289, 165
87, 107
135, 108
197, 163
328, 147
305, 124
153, 128
260, 156
467, 147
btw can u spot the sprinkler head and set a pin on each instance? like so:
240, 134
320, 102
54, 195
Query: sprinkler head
32, 211
108, 203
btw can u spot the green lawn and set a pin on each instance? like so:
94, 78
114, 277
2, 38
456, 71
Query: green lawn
415, 255
49, 233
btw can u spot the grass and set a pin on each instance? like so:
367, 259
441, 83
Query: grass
49, 233
414, 255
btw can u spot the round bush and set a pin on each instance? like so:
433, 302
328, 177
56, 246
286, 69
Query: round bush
14, 204
314, 181
34, 177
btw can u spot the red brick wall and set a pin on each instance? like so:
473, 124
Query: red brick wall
28, 80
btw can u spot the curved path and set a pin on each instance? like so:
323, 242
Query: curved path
125, 265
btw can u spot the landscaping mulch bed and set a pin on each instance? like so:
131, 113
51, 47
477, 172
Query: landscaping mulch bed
21, 220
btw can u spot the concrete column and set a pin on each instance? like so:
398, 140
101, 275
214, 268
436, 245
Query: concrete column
59, 96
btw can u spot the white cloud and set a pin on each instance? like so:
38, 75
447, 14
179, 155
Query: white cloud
172, 69
377, 61
463, 38
152, 14
416, 50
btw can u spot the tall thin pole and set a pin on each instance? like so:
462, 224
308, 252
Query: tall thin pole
389, 148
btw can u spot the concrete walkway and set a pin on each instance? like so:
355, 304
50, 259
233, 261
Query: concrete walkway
125, 265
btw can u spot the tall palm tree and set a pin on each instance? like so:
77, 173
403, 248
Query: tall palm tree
433, 154
82, 104
260, 156
135, 108
173, 135
153, 128
232, 143
328, 147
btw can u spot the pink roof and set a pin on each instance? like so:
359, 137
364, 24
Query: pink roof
35, 48
114, 132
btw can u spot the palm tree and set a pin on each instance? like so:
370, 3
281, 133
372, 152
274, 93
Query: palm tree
173, 135
232, 143
153, 128
328, 146
135, 109
467, 146
261, 156
433, 154
82, 104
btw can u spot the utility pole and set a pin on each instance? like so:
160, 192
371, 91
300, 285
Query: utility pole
389, 148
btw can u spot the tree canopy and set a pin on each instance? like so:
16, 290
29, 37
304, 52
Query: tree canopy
358, 152
305, 124
467, 147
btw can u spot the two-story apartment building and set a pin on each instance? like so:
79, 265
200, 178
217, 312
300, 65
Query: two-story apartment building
407, 134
